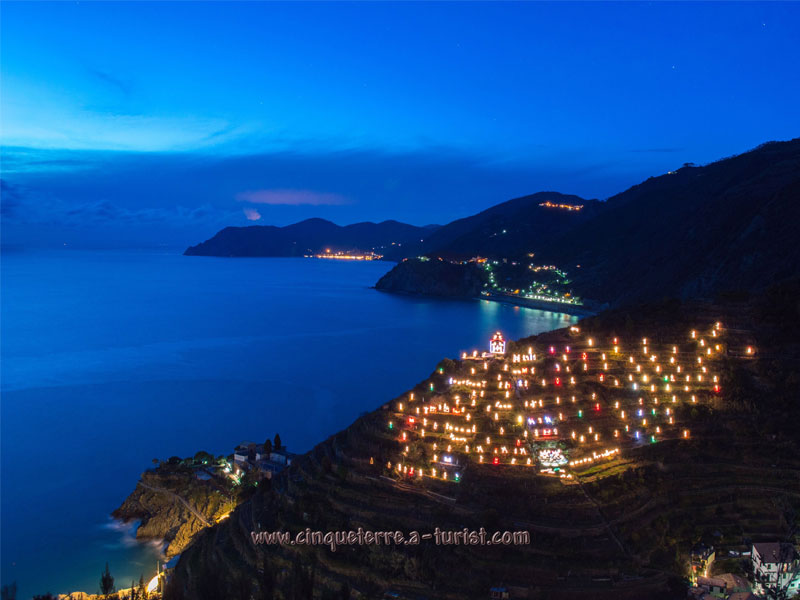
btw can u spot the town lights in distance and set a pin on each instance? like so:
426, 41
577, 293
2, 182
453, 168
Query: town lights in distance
570, 207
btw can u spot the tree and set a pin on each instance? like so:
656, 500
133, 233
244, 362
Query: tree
9, 592
134, 592
142, 588
203, 457
106, 582
47, 596
267, 447
277, 442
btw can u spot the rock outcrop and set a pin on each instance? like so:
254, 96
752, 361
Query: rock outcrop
173, 506
434, 278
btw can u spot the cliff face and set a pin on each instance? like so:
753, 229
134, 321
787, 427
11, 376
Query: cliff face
434, 278
173, 507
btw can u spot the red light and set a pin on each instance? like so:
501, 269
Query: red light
602, 377
583, 356
495, 461
597, 406
716, 388
411, 420
552, 350
558, 381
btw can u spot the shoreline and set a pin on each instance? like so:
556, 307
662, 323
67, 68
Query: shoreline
554, 307
578, 311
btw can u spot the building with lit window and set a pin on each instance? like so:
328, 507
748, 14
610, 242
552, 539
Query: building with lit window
776, 567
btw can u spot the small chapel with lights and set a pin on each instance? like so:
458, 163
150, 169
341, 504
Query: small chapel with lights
497, 345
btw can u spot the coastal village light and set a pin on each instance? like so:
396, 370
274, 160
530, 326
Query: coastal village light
522, 423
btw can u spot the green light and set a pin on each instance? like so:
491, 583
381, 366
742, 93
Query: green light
653, 439
652, 412
391, 425
431, 387
580, 413
666, 378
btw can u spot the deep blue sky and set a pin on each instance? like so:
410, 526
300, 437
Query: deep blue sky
156, 124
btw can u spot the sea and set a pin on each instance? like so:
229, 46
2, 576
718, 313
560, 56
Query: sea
110, 359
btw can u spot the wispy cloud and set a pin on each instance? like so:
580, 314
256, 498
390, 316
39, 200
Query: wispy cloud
111, 80
20, 206
291, 197
252, 214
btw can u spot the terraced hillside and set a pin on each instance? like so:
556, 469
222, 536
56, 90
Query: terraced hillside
614, 527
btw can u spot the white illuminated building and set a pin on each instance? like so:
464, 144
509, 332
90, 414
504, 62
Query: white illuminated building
776, 567
497, 345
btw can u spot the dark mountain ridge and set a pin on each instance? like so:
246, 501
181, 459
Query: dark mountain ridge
515, 229
308, 237
696, 232
699, 231
512, 228
727, 227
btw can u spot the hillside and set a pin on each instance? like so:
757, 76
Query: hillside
436, 277
509, 229
311, 236
727, 227
614, 521
698, 232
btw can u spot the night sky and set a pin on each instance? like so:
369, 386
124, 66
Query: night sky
154, 125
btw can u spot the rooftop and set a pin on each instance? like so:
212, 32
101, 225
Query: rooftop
775, 552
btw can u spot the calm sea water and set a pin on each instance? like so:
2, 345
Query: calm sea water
111, 359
